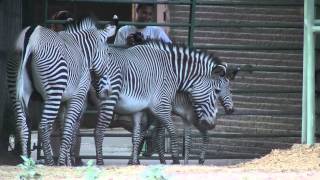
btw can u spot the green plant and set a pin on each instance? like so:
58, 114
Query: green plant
29, 169
91, 171
154, 173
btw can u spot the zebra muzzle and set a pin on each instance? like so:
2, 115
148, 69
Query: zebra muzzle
207, 123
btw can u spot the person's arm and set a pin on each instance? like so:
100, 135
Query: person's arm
163, 36
120, 38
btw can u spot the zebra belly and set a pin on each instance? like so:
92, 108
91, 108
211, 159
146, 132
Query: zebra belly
129, 105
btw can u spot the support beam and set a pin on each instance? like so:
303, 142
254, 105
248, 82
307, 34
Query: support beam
308, 101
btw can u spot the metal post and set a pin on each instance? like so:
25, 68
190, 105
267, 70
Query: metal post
308, 101
191, 22
45, 12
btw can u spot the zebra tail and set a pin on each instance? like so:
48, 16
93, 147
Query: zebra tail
25, 53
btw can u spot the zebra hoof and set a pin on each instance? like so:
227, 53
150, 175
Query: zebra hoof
131, 162
77, 162
201, 161
49, 163
175, 161
100, 163
163, 162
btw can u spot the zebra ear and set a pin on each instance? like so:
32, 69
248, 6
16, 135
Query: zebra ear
109, 31
232, 72
219, 70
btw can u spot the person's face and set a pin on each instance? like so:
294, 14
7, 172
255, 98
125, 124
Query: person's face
145, 14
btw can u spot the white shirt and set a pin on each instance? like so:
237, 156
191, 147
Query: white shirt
149, 32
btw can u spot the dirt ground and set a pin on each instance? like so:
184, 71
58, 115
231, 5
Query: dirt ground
299, 162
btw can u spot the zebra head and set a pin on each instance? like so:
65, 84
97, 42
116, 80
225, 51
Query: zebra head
222, 89
204, 100
206, 93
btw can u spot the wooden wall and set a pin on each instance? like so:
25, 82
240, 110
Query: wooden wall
271, 104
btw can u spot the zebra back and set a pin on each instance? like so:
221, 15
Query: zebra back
190, 64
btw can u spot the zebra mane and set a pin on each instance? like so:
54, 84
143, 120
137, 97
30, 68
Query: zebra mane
84, 24
184, 47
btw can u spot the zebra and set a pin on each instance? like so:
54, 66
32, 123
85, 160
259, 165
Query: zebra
182, 107
134, 88
57, 66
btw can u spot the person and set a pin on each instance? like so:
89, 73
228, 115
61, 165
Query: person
56, 132
126, 34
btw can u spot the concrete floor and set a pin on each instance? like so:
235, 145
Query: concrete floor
121, 146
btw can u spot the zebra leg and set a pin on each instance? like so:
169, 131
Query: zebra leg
57, 129
143, 133
75, 146
136, 137
22, 128
76, 143
74, 110
105, 116
49, 114
166, 120
106, 110
159, 141
55, 138
205, 142
130, 162
187, 144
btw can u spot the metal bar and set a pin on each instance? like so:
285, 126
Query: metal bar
239, 113
191, 22
308, 102
212, 3
315, 29
246, 47
45, 12
250, 91
224, 24
128, 23
90, 134
180, 2
250, 68
213, 24
316, 22
272, 113
198, 135
249, 3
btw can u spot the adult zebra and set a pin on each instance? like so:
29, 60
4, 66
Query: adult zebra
147, 78
182, 107
57, 66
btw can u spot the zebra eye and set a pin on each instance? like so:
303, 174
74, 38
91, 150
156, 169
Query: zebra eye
217, 91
